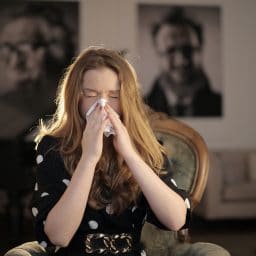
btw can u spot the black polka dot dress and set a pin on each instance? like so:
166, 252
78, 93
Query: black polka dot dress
51, 181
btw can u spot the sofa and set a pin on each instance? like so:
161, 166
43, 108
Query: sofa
230, 192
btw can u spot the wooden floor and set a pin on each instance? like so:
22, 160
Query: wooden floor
237, 236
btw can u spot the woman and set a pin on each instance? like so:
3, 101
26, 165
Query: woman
93, 192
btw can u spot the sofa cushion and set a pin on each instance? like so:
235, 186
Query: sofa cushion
234, 165
243, 191
252, 166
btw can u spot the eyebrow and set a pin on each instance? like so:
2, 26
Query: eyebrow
92, 90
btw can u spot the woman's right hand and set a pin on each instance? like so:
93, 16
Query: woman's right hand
92, 140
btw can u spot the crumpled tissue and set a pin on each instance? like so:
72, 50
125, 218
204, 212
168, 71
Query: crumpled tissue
109, 127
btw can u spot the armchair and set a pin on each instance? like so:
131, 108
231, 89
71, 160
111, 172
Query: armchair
188, 156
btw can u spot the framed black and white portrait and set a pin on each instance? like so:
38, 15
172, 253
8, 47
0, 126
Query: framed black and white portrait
38, 39
180, 67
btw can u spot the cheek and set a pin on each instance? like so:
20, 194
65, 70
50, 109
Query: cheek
84, 106
165, 63
36, 62
115, 105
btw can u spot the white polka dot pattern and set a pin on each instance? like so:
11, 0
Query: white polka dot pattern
34, 211
144, 219
174, 182
143, 253
66, 181
187, 203
43, 244
44, 194
39, 159
57, 248
36, 187
93, 224
134, 208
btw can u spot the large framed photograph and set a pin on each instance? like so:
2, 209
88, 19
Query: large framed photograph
38, 39
180, 67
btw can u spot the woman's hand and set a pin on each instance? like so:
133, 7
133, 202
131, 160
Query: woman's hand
92, 140
121, 139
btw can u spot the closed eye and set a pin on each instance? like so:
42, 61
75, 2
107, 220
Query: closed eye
114, 96
89, 94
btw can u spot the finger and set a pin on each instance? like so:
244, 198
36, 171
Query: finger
91, 108
98, 119
114, 118
98, 123
93, 117
96, 111
111, 110
104, 124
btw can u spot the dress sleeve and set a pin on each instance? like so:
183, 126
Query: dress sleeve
50, 185
166, 176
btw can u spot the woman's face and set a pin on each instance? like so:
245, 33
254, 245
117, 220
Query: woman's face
97, 84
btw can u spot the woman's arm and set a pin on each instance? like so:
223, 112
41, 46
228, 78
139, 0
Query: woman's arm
168, 206
65, 217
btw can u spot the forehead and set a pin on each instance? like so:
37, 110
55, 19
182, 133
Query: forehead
101, 79
23, 29
172, 35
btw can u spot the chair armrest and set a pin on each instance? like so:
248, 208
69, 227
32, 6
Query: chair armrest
208, 207
199, 249
27, 249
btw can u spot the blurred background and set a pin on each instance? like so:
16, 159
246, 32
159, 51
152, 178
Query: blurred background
196, 56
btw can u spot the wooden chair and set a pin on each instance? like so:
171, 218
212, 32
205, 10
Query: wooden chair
189, 158
187, 153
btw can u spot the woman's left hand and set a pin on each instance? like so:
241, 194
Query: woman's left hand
121, 139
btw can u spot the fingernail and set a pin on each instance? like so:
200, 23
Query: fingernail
104, 117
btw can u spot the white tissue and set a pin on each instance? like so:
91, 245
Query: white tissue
109, 127
102, 102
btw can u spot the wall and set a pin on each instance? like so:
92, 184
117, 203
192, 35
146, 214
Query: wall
113, 23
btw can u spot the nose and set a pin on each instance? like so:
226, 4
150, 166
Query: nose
16, 59
180, 60
103, 95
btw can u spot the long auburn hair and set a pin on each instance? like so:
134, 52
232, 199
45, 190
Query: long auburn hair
67, 125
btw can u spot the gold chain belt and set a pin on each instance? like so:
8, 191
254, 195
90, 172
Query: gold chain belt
101, 243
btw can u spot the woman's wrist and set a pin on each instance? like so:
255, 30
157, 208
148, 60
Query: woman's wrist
88, 162
133, 156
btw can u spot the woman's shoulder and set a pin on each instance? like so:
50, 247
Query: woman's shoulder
48, 153
48, 143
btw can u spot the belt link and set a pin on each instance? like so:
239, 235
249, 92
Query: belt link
109, 242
